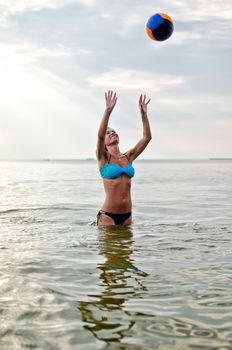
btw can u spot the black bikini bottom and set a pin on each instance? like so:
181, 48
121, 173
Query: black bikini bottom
119, 219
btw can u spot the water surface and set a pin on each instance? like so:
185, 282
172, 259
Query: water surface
163, 283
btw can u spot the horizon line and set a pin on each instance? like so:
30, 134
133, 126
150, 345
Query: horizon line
94, 159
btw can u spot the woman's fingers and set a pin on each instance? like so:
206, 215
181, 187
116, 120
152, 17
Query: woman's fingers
110, 95
111, 99
142, 99
142, 103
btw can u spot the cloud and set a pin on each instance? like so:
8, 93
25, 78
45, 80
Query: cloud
23, 5
11, 8
126, 79
33, 52
188, 139
211, 108
200, 11
41, 114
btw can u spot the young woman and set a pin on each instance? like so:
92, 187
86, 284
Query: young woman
115, 167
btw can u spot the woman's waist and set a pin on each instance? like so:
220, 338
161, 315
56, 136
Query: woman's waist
117, 204
122, 196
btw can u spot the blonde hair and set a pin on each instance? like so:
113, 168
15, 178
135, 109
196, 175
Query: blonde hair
108, 127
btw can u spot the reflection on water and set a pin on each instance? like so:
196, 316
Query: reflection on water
104, 314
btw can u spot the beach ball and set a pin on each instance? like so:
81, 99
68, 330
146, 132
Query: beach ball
159, 27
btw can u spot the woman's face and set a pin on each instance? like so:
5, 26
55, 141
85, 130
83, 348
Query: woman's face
111, 137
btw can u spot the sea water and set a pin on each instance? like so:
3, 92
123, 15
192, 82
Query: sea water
165, 282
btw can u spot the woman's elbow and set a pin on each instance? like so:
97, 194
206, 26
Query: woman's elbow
148, 138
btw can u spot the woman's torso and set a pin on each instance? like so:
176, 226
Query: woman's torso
117, 183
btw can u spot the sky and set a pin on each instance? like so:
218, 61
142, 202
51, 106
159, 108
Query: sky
58, 57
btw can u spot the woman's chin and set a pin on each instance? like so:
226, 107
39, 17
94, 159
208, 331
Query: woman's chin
114, 142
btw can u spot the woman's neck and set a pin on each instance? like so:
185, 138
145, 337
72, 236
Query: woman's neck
114, 151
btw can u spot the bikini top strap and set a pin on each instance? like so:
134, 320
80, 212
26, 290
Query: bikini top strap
127, 157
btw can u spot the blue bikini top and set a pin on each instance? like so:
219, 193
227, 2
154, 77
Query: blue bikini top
112, 171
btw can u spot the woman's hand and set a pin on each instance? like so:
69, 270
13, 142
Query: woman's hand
111, 99
143, 104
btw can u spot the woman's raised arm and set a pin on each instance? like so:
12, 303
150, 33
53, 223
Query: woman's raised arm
111, 99
141, 145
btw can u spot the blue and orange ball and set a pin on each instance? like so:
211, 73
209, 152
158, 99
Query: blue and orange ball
159, 27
